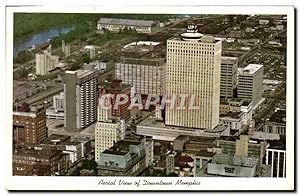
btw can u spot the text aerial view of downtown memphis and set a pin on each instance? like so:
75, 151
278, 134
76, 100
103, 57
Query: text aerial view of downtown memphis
149, 95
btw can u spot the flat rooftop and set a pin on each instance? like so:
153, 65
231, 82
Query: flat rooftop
126, 22
121, 147
197, 139
38, 153
56, 138
221, 158
202, 39
152, 122
228, 59
80, 72
141, 43
252, 68
144, 61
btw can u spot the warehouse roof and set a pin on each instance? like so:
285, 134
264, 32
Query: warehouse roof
128, 22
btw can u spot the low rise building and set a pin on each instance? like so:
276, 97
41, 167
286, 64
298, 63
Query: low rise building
237, 106
276, 123
159, 131
125, 158
232, 166
201, 159
240, 33
116, 24
74, 149
242, 145
233, 119
53, 161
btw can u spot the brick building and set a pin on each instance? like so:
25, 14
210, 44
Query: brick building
29, 124
115, 88
38, 161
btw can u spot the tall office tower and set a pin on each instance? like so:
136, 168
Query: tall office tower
193, 68
228, 76
145, 75
29, 124
250, 83
80, 90
108, 131
115, 88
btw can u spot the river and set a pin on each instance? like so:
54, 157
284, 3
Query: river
23, 43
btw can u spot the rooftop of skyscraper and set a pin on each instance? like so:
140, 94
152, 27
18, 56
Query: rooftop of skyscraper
80, 72
228, 59
121, 147
252, 68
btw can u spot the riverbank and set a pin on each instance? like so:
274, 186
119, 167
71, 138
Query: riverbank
26, 24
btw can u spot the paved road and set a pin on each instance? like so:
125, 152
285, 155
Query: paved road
269, 110
257, 47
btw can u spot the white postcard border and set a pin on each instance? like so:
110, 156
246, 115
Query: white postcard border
207, 183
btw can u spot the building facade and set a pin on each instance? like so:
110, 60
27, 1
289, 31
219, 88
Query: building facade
108, 131
145, 75
250, 83
29, 125
80, 90
107, 134
117, 88
58, 102
193, 68
228, 76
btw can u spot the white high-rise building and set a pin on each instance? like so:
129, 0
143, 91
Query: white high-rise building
80, 90
250, 83
45, 61
108, 131
193, 68
228, 76
145, 75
